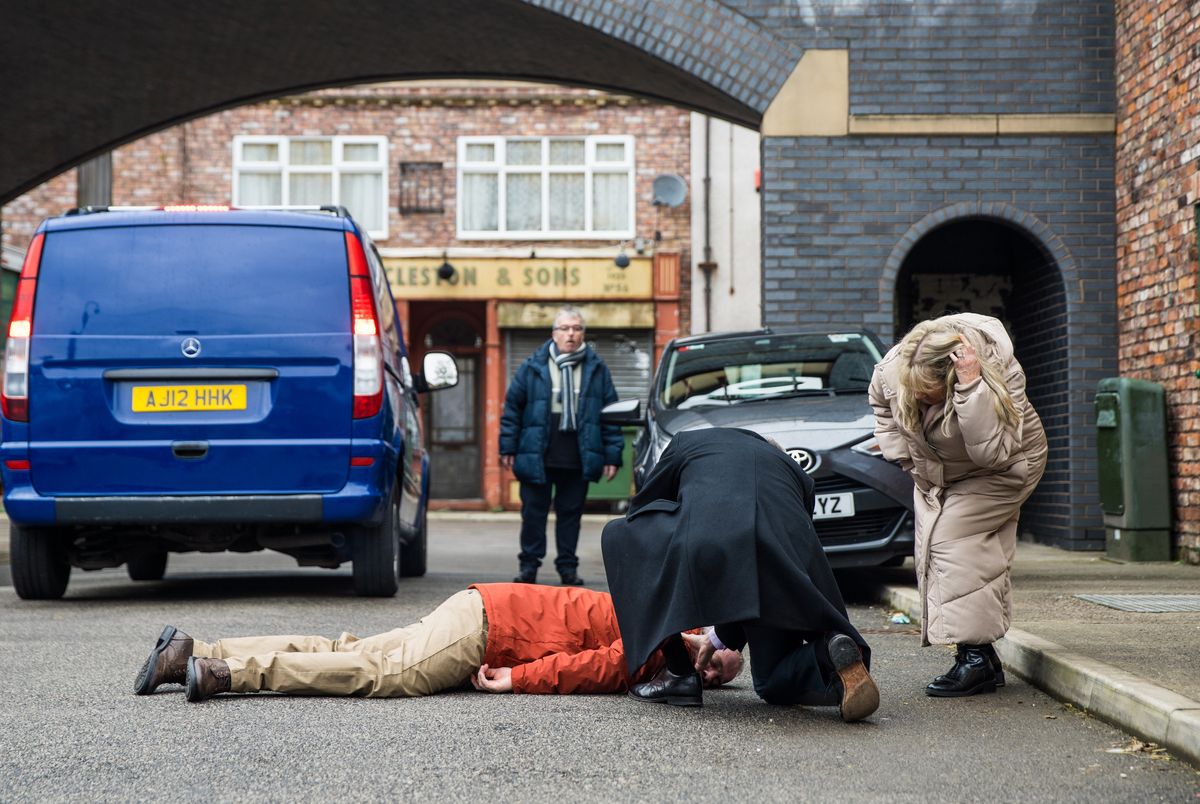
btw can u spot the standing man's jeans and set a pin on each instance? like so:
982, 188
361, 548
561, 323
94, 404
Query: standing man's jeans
569, 491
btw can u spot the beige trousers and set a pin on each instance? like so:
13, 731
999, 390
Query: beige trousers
438, 653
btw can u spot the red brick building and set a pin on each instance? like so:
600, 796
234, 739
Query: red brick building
527, 193
1158, 190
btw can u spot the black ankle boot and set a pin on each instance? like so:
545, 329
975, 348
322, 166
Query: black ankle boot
972, 674
997, 665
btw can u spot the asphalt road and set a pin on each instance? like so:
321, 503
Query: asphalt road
73, 729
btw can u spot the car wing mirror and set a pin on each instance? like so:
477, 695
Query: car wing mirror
625, 412
438, 371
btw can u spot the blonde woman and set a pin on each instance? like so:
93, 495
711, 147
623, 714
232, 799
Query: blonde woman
950, 407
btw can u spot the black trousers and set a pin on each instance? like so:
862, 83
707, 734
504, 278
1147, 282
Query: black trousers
787, 667
569, 491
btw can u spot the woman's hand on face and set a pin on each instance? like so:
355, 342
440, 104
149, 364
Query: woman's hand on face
966, 362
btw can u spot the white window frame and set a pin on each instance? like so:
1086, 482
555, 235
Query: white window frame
335, 170
589, 168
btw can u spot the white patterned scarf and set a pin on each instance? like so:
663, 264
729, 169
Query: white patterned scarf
565, 364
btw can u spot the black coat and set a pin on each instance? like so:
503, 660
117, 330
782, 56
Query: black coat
720, 533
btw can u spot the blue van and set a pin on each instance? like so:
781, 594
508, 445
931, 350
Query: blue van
209, 379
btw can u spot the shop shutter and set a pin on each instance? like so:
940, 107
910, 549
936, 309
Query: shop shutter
629, 354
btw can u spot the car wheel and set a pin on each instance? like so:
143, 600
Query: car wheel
147, 566
412, 555
40, 569
376, 552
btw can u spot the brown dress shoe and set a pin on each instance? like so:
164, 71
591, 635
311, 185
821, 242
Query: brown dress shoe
167, 663
206, 678
860, 696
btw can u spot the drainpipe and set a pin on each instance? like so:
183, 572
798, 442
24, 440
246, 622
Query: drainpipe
707, 265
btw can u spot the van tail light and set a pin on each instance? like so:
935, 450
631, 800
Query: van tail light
368, 352
15, 398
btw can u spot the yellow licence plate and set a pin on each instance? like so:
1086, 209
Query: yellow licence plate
167, 398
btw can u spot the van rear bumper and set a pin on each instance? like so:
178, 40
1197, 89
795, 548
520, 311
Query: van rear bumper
102, 510
355, 503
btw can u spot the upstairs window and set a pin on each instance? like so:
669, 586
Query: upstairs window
283, 172
522, 188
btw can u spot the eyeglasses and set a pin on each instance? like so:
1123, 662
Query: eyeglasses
574, 328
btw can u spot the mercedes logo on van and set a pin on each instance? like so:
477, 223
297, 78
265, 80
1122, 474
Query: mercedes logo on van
805, 459
191, 347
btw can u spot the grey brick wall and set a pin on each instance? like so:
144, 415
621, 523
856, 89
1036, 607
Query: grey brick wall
970, 56
840, 213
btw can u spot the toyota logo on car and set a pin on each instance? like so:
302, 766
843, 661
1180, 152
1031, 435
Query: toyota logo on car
806, 460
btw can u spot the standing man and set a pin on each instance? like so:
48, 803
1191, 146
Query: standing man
552, 439
721, 532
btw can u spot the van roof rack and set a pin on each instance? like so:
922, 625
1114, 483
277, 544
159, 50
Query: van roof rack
91, 209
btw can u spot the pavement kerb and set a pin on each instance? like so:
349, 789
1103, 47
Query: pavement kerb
1123, 699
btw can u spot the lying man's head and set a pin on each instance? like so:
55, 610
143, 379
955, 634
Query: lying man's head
724, 666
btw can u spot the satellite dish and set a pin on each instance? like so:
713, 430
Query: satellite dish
669, 190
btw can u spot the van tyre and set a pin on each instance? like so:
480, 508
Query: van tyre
376, 552
147, 566
412, 554
40, 569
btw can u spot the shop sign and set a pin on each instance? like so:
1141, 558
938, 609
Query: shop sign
500, 278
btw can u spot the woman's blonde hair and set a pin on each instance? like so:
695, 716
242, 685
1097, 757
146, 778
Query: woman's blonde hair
925, 366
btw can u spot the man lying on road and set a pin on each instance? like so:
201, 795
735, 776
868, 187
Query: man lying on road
502, 637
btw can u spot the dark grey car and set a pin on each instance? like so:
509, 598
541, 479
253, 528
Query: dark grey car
807, 391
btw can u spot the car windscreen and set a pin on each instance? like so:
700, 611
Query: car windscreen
727, 372
196, 279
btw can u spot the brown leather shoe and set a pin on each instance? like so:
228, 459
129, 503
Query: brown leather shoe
167, 663
206, 678
860, 696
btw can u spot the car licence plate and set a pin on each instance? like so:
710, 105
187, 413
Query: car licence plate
834, 506
168, 398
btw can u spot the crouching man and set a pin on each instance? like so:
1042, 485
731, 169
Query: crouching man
504, 637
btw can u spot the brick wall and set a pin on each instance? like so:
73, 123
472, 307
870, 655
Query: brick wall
193, 162
1158, 143
972, 56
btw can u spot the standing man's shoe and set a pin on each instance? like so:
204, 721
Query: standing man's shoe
668, 688
860, 696
167, 663
571, 579
526, 576
206, 678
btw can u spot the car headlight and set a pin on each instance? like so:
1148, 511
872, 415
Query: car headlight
869, 446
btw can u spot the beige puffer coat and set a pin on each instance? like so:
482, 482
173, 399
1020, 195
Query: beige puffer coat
969, 489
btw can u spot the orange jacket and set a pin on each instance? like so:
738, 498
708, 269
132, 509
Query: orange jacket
560, 639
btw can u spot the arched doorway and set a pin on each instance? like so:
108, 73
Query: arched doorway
991, 266
453, 417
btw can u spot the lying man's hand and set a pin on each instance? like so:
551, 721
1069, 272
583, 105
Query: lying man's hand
493, 679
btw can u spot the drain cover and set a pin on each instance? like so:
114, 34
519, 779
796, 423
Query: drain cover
1151, 604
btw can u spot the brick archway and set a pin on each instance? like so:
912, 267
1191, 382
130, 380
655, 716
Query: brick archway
160, 65
1024, 222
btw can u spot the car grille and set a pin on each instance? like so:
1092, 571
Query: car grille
863, 527
831, 484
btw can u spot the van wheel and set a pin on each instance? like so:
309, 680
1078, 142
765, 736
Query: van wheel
412, 555
40, 569
376, 553
147, 566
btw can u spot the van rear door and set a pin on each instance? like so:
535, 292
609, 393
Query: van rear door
191, 358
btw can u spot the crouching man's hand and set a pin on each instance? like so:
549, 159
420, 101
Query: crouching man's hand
493, 679
700, 648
